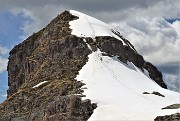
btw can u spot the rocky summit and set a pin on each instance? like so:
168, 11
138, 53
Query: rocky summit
42, 72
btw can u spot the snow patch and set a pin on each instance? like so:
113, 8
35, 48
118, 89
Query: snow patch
40, 84
87, 44
146, 73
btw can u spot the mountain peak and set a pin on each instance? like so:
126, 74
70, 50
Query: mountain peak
63, 71
87, 26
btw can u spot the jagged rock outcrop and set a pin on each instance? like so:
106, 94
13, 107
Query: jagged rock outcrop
173, 117
56, 56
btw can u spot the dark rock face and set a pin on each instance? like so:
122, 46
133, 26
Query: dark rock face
173, 117
154, 74
52, 55
30, 57
154, 93
125, 53
173, 106
37, 104
157, 93
56, 56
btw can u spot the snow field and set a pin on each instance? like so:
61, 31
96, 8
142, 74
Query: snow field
118, 89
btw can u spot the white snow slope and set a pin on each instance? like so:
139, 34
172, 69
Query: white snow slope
87, 26
118, 88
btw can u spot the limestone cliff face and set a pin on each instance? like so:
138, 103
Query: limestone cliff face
56, 56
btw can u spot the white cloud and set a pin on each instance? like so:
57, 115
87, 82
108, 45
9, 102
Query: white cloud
3, 50
3, 64
3, 61
158, 8
176, 26
163, 8
37, 18
172, 81
4, 95
157, 40
159, 43
40, 13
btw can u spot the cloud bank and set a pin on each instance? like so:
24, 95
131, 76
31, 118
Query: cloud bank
3, 50
3, 61
40, 13
153, 38
158, 41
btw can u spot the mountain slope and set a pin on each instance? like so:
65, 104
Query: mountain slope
118, 90
86, 26
117, 87
79, 68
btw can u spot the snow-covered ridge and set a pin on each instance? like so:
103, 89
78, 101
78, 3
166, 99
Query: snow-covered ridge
118, 88
87, 26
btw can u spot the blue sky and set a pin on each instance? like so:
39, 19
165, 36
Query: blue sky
140, 21
172, 20
10, 29
9, 37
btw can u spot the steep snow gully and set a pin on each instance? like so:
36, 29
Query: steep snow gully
116, 87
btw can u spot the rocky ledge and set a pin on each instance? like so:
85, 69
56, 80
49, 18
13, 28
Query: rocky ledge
173, 117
